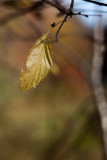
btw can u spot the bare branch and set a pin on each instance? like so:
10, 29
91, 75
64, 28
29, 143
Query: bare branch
72, 4
97, 79
60, 8
95, 2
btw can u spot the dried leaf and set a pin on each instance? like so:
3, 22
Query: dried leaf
38, 64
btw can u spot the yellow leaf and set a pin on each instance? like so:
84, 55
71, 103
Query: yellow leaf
38, 64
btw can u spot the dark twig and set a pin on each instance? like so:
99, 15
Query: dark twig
95, 2
57, 33
90, 10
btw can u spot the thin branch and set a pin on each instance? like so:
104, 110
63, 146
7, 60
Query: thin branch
90, 10
95, 2
57, 33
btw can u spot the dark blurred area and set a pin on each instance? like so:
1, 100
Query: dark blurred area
58, 120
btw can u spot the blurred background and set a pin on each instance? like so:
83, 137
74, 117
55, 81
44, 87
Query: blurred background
58, 120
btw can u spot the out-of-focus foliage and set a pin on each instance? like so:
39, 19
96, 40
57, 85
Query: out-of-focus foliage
38, 63
18, 4
47, 122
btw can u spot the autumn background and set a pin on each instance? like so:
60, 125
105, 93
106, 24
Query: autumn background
58, 120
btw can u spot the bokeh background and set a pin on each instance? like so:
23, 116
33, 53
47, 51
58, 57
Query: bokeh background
58, 120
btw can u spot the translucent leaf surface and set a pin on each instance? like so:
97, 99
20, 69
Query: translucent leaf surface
38, 64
